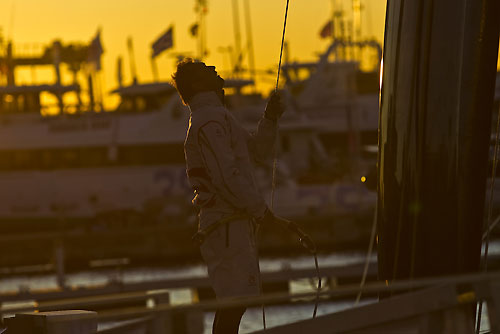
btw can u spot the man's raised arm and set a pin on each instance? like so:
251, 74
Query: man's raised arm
262, 142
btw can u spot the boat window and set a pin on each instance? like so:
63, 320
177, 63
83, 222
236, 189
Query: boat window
8, 103
151, 154
94, 157
140, 104
32, 103
70, 158
21, 106
125, 105
90, 157
22, 159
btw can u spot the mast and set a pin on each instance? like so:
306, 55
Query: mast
237, 38
434, 133
201, 8
133, 69
356, 28
338, 28
9, 61
250, 49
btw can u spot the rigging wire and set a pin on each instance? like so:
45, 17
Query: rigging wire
486, 237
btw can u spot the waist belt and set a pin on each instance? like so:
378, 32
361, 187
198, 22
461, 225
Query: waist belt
200, 236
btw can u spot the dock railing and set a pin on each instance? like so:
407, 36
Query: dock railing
436, 305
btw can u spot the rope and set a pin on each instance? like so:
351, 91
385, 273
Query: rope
368, 256
490, 209
260, 278
318, 290
273, 183
282, 43
275, 159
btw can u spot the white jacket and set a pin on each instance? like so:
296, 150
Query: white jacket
219, 154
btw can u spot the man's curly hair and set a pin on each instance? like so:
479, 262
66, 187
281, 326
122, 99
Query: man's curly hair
186, 73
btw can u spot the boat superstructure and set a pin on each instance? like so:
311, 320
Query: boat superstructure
128, 164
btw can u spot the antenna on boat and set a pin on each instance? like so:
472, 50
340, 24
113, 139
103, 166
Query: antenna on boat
356, 20
356, 25
119, 71
133, 69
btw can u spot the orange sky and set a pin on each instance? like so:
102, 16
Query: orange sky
35, 21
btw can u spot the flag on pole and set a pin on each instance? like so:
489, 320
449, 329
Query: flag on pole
201, 6
164, 42
95, 51
327, 30
193, 30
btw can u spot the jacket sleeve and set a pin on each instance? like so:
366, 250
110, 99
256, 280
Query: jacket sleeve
261, 144
215, 145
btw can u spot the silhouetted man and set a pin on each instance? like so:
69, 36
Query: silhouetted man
219, 154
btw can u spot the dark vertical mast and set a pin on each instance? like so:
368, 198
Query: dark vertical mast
237, 38
133, 68
250, 49
201, 8
435, 114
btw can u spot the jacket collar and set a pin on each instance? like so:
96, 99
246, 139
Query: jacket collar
204, 99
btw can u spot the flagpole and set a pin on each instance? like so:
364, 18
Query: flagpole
133, 70
100, 78
119, 71
154, 67
333, 28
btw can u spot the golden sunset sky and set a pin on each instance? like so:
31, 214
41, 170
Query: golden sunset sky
33, 23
